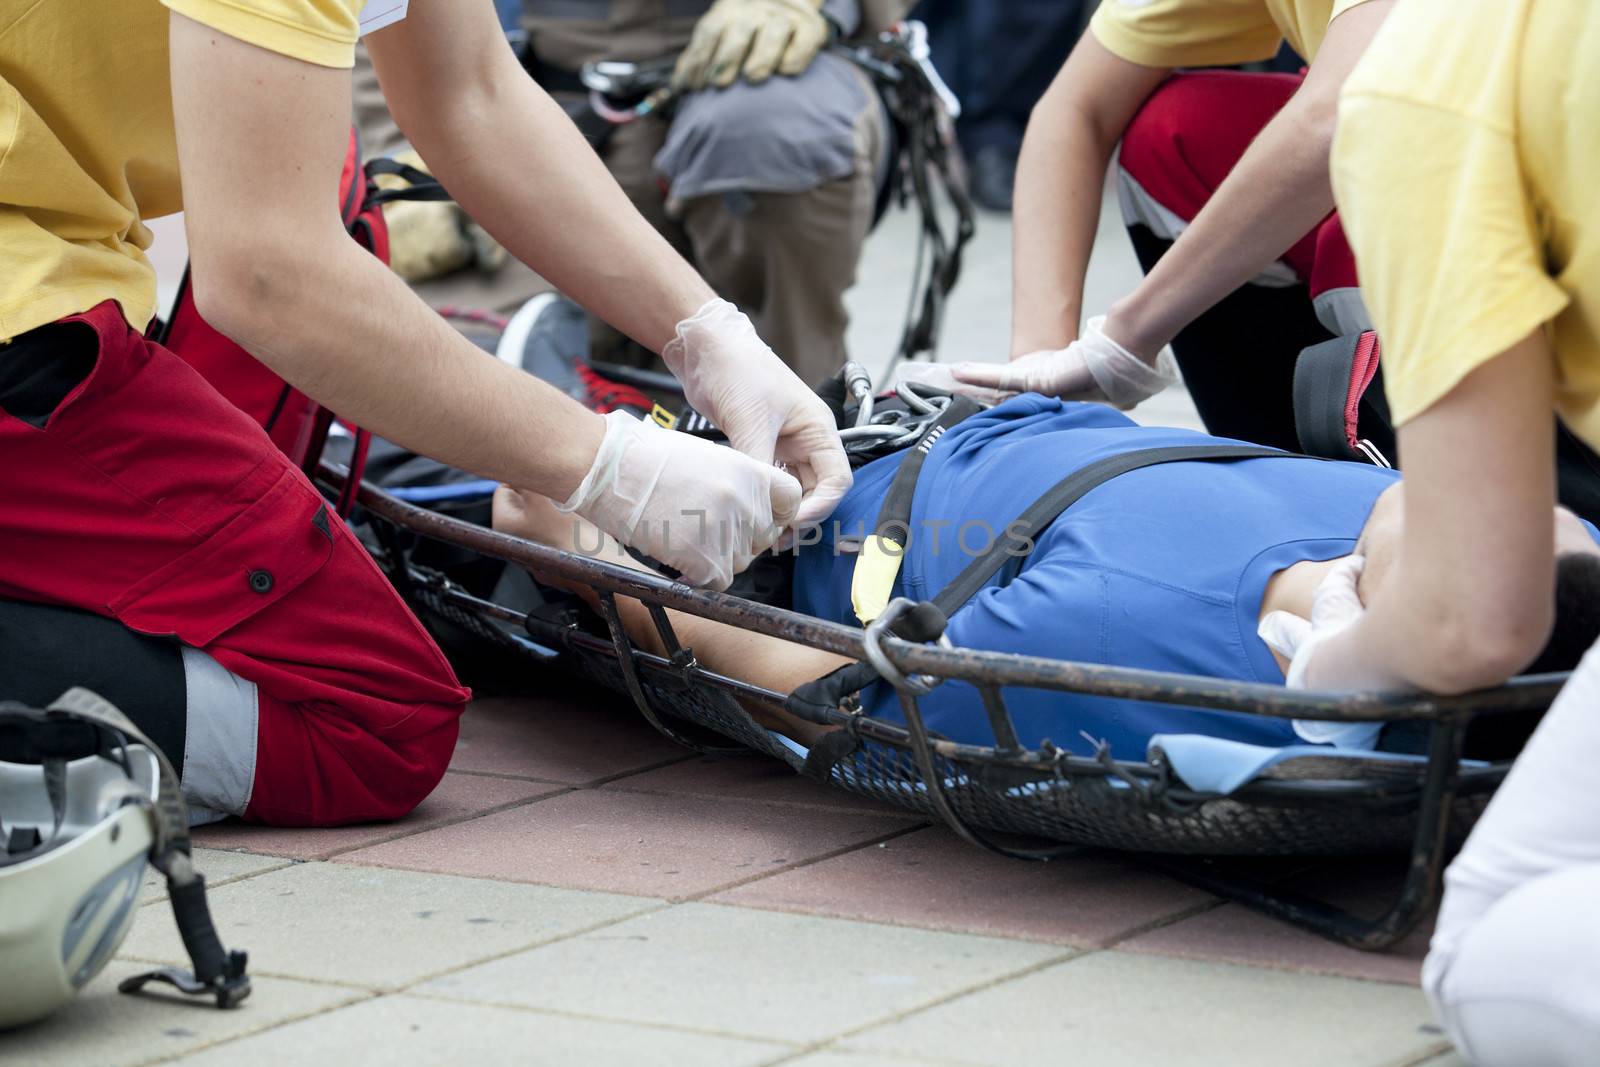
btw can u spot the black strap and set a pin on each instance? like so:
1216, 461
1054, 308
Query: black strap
1017, 540
894, 517
420, 184
815, 700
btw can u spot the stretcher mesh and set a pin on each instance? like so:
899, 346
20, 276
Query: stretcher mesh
1095, 810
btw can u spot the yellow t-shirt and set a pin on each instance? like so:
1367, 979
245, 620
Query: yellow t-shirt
87, 149
1465, 171
1212, 33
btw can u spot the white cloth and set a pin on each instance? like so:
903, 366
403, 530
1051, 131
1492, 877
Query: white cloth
1514, 969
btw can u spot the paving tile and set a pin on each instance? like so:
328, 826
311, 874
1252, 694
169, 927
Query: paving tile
1237, 934
458, 796
103, 1028
740, 971
756, 778
831, 1058
218, 867
378, 928
570, 739
1116, 1007
932, 878
631, 842
432, 1033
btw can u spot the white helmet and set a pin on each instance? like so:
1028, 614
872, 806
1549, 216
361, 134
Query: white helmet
93, 802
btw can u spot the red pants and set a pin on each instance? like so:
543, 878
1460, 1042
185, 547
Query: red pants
1189, 136
148, 498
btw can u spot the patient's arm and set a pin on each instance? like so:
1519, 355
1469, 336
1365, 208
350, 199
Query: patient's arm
756, 658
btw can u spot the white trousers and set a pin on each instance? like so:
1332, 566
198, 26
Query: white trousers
1514, 969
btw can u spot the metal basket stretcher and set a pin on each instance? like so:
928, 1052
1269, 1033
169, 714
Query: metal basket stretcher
1189, 798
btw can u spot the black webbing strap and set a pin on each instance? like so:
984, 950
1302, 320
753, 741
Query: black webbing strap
878, 561
420, 184
814, 700
1017, 541
895, 516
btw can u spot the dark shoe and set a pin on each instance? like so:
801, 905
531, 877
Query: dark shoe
549, 338
993, 174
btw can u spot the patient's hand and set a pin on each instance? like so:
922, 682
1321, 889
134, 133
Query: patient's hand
752, 657
532, 517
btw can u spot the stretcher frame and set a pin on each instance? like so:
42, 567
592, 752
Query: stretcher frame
989, 795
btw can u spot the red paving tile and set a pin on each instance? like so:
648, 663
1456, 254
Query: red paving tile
753, 778
1236, 934
636, 843
458, 796
933, 879
568, 738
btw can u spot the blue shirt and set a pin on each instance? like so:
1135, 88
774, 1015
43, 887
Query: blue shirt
1161, 568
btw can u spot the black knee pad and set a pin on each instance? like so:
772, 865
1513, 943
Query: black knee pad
39, 369
45, 650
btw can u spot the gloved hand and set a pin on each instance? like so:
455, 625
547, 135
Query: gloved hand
752, 37
698, 507
735, 380
1335, 607
1094, 367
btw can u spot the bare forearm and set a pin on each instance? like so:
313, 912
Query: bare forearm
1469, 601
1060, 177
564, 216
410, 377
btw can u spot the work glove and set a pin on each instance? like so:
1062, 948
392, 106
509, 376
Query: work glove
730, 376
704, 510
1094, 367
1335, 607
753, 38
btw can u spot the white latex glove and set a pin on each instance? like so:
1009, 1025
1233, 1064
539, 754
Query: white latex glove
1094, 367
732, 377
1335, 607
703, 509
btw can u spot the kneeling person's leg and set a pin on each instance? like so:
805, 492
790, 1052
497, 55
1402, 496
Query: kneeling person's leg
1182, 144
312, 696
777, 184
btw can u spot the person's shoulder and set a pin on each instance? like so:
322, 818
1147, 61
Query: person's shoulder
1428, 57
1187, 33
321, 32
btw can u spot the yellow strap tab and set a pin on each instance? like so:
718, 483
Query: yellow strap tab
663, 418
872, 583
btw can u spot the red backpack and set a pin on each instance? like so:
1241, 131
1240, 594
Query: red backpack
297, 424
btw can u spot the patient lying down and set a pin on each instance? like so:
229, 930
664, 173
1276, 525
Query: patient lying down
1168, 568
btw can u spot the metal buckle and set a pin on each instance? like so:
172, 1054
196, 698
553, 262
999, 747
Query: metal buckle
1373, 454
919, 684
